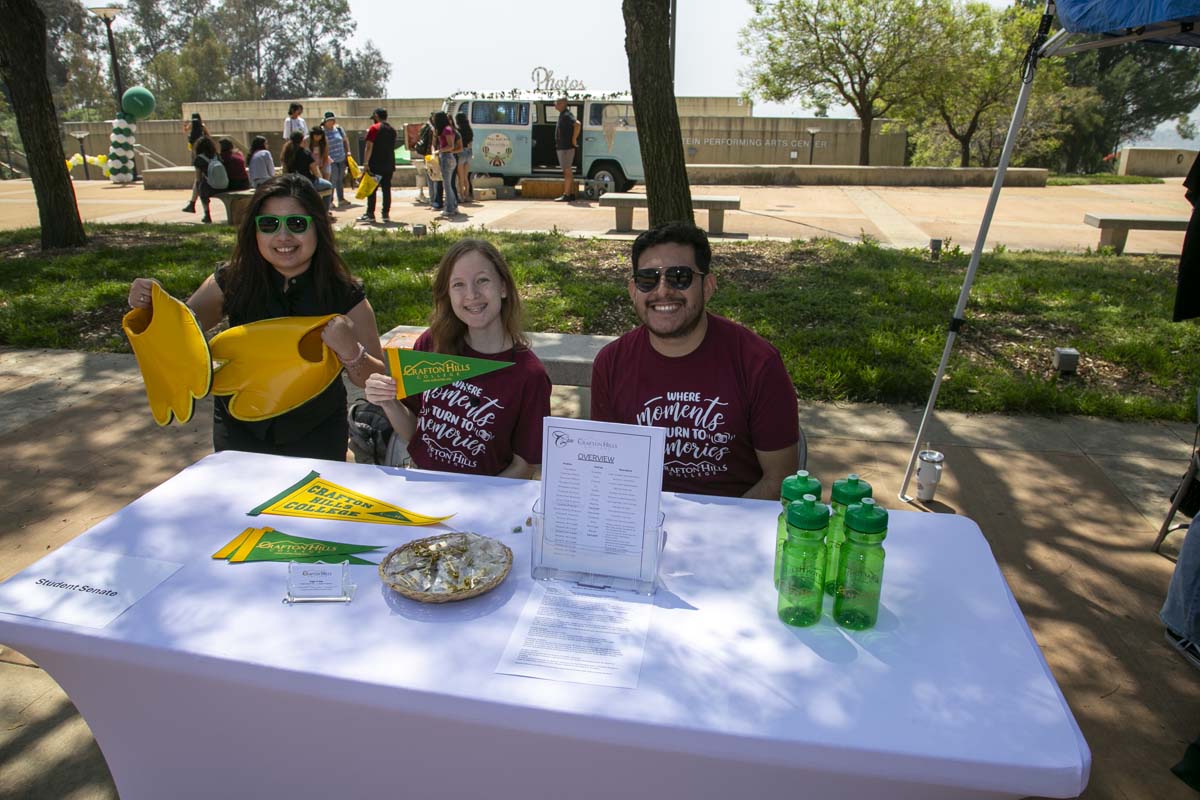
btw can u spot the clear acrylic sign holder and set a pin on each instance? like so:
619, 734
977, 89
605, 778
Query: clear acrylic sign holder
644, 581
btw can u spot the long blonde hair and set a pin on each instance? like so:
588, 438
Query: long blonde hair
448, 331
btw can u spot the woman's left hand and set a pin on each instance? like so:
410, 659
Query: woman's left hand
338, 335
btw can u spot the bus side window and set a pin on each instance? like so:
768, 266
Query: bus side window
503, 113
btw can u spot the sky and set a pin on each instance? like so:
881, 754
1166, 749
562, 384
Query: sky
496, 46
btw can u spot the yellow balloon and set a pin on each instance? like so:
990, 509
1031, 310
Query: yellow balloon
273, 366
171, 354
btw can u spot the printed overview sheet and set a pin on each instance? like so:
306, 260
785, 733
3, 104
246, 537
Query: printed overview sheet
593, 636
82, 587
601, 489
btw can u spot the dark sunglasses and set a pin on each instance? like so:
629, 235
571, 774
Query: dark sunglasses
269, 223
646, 279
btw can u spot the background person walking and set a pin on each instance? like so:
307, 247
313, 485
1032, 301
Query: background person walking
566, 139
380, 157
195, 130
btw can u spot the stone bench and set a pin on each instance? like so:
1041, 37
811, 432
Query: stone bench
567, 357
716, 205
237, 202
1115, 228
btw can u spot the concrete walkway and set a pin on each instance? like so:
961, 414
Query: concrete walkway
1049, 218
1070, 507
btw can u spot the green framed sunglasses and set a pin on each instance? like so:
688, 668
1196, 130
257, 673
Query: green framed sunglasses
270, 223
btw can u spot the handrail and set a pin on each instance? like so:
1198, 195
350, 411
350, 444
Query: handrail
151, 157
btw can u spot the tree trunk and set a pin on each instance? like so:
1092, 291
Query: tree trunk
864, 139
23, 69
964, 148
647, 45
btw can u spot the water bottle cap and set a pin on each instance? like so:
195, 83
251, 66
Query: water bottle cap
866, 517
807, 514
796, 486
850, 489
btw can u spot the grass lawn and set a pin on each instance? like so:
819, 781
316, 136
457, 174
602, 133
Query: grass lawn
1107, 178
853, 322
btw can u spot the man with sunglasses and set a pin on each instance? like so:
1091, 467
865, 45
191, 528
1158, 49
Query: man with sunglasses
720, 390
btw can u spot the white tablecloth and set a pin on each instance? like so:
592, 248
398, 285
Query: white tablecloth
211, 687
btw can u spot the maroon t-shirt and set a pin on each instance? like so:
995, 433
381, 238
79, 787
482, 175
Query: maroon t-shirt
721, 402
475, 426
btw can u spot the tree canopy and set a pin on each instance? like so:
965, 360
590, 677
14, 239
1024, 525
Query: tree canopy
868, 54
189, 50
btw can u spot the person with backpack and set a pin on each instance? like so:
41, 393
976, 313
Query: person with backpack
421, 145
380, 157
210, 173
339, 149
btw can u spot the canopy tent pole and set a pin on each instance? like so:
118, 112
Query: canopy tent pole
1029, 69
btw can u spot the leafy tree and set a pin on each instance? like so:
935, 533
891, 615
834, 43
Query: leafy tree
23, 70
647, 46
869, 55
1139, 87
978, 68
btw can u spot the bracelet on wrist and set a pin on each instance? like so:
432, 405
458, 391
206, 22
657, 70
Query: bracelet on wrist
359, 356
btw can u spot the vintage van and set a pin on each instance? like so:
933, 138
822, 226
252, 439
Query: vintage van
514, 136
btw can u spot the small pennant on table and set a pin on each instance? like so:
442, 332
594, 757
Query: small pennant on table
268, 544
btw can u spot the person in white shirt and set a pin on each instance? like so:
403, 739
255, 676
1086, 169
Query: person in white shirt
294, 121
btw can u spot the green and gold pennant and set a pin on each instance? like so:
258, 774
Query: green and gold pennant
416, 371
268, 544
316, 498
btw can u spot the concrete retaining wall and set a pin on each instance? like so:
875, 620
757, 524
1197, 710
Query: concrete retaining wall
778, 175
778, 140
1155, 162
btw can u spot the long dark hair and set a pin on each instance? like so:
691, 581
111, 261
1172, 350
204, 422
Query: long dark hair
197, 128
464, 128
294, 143
448, 331
247, 278
204, 146
441, 120
317, 130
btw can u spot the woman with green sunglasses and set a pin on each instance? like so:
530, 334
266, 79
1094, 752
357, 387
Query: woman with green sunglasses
285, 264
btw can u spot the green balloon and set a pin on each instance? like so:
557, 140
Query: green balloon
138, 102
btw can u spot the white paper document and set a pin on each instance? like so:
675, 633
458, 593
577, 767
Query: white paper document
593, 636
601, 490
82, 587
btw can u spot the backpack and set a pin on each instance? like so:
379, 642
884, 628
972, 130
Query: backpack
215, 175
424, 140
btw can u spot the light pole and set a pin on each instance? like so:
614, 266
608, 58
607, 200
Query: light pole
81, 135
812, 143
108, 14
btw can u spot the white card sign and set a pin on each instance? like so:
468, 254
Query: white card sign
82, 587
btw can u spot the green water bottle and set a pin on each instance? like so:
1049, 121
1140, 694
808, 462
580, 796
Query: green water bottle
792, 489
845, 492
860, 577
802, 573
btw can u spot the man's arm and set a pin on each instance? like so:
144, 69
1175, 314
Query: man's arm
776, 465
367, 153
575, 134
